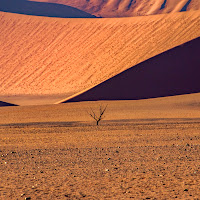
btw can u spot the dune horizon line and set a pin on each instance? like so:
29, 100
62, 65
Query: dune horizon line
129, 8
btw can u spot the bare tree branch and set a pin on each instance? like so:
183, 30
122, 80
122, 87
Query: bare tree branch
100, 116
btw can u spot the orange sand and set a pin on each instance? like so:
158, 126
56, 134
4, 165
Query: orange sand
51, 56
173, 72
142, 149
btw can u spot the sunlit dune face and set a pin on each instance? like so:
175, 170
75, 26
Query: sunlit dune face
173, 72
48, 56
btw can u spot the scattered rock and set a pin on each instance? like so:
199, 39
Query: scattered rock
186, 190
27, 198
82, 194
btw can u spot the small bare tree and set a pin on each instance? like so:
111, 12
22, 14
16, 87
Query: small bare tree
98, 117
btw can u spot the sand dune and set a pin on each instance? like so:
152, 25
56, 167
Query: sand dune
42, 9
50, 56
128, 8
2, 104
173, 72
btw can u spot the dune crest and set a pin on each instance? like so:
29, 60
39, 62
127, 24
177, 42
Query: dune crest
129, 8
174, 72
50, 56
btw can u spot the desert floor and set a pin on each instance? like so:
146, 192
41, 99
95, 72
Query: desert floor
146, 149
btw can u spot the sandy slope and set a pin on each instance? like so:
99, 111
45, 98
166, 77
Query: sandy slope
146, 149
46, 56
173, 72
124, 8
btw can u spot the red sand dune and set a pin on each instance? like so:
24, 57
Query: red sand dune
173, 72
42, 9
51, 56
128, 8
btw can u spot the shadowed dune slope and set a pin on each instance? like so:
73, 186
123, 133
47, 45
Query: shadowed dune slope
129, 8
173, 72
2, 104
51, 56
42, 9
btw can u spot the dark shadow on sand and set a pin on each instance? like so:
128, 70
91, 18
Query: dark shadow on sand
42, 9
163, 5
174, 72
3, 104
186, 6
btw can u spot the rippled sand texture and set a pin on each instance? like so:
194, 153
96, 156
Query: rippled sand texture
173, 72
51, 56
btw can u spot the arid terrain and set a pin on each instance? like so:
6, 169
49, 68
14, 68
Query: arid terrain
146, 149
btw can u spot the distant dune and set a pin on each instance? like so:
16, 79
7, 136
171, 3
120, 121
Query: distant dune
42, 9
2, 104
129, 8
173, 72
